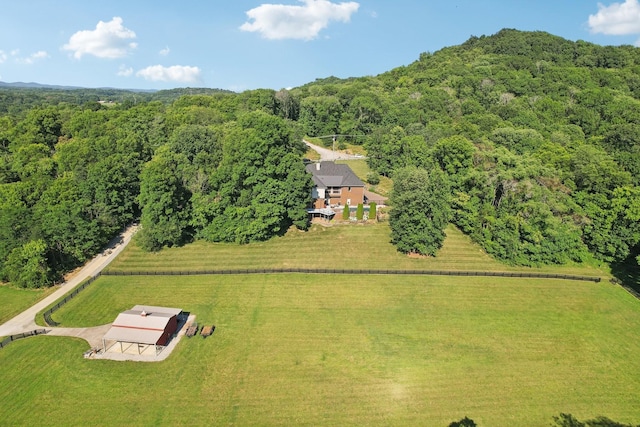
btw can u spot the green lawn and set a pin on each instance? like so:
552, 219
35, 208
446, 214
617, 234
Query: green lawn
340, 246
361, 169
342, 350
14, 300
296, 349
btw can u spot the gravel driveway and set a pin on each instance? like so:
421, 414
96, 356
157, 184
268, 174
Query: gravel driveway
25, 321
330, 155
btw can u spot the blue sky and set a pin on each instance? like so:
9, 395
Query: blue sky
242, 44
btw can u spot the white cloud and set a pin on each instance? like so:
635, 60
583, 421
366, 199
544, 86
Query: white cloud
175, 73
3, 56
125, 71
165, 51
109, 40
279, 21
41, 54
616, 19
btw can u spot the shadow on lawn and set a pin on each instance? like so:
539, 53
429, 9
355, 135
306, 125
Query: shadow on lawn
627, 273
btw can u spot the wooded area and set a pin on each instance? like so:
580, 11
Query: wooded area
536, 138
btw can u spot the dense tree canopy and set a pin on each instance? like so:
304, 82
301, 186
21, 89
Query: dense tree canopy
535, 138
215, 165
536, 134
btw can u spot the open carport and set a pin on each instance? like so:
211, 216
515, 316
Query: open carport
142, 330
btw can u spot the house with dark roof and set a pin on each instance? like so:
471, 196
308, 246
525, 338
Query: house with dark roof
334, 185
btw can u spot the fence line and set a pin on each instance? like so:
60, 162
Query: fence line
50, 322
47, 314
11, 338
356, 271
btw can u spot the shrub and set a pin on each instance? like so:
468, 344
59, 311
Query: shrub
345, 213
465, 422
372, 210
373, 178
360, 212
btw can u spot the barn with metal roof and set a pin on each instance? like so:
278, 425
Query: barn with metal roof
141, 328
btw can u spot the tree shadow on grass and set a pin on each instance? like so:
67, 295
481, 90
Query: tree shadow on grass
627, 273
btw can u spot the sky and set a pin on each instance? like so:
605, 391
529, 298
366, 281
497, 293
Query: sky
240, 44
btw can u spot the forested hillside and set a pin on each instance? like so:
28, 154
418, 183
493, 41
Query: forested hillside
537, 137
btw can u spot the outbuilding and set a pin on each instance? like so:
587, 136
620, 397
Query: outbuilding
143, 326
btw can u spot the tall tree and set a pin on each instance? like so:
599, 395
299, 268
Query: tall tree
260, 188
164, 201
421, 210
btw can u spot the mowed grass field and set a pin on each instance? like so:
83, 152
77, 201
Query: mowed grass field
306, 349
341, 350
338, 246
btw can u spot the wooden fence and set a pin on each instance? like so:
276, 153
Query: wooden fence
356, 271
47, 314
50, 322
11, 338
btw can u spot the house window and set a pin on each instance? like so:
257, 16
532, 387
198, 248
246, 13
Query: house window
349, 189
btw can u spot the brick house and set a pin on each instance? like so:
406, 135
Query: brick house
334, 185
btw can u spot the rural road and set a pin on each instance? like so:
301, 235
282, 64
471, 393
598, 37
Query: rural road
330, 155
25, 321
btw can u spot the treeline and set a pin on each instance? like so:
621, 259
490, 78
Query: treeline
537, 135
531, 141
15, 100
223, 167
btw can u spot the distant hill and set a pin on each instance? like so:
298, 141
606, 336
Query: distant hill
34, 85
167, 92
20, 96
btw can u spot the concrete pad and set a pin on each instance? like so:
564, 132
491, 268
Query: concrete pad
92, 335
148, 354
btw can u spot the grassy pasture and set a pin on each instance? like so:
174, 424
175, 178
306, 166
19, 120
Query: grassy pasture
339, 246
342, 350
339, 350
14, 300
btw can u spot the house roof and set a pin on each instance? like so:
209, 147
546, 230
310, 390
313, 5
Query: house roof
330, 174
373, 197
